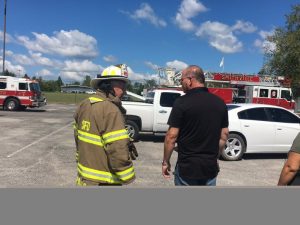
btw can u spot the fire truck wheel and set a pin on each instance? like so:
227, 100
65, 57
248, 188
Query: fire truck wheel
11, 104
133, 129
234, 148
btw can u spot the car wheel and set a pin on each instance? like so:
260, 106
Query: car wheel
133, 129
234, 148
11, 104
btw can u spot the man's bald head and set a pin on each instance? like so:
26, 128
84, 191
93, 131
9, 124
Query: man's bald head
194, 71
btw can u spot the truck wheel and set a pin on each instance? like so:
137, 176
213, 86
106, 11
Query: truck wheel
234, 148
11, 104
133, 129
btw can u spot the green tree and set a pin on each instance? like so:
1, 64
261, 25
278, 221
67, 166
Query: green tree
138, 88
7, 73
285, 59
150, 84
54, 85
48, 85
59, 81
86, 81
26, 76
129, 86
75, 83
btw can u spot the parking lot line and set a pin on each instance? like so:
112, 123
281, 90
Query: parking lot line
37, 141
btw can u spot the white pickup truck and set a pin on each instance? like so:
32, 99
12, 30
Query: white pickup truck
151, 115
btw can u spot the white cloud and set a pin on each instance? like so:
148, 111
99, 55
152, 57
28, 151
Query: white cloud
66, 75
263, 44
7, 52
151, 65
44, 72
184, 23
110, 58
81, 66
145, 12
178, 65
35, 59
77, 70
71, 43
16, 69
188, 9
8, 37
220, 36
22, 59
246, 27
44, 61
134, 76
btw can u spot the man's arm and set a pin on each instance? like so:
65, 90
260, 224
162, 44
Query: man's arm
169, 145
289, 169
223, 138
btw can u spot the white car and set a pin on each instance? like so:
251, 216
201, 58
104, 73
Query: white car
90, 92
259, 128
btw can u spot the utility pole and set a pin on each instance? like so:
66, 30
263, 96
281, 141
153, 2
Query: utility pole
4, 37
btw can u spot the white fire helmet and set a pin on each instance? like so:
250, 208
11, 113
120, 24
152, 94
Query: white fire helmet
116, 72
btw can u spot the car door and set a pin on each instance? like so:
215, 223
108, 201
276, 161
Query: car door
257, 129
286, 128
163, 110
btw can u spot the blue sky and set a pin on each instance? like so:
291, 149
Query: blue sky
71, 39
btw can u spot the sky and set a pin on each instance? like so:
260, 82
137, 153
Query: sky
72, 39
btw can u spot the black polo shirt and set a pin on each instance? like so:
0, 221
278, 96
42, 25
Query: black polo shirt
200, 116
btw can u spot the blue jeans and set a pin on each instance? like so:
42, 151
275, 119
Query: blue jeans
179, 181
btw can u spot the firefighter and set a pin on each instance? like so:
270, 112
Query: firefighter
103, 150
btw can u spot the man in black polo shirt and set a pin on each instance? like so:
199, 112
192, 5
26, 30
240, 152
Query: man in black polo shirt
199, 124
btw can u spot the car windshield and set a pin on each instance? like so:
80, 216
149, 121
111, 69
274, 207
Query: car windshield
232, 106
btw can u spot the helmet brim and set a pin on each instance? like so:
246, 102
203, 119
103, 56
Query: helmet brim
95, 82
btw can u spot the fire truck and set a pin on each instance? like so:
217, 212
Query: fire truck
261, 89
227, 94
19, 93
241, 88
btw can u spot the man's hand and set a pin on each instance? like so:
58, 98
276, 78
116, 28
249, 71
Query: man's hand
132, 151
166, 169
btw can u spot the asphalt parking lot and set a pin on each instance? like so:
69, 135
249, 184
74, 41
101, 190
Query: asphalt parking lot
37, 150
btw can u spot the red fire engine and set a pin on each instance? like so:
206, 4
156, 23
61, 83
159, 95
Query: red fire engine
227, 94
257, 89
20, 93
241, 88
